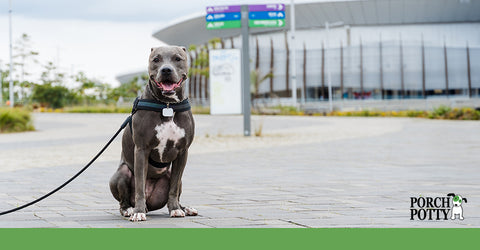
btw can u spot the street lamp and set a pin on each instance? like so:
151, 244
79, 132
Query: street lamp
11, 61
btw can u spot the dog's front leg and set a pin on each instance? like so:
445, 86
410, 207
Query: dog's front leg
140, 175
178, 165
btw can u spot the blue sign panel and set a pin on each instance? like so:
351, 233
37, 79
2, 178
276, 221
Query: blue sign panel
265, 15
223, 17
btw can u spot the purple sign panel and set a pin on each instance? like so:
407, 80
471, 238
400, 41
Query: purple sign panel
267, 7
224, 9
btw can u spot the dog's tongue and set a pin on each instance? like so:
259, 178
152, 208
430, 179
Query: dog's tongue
168, 87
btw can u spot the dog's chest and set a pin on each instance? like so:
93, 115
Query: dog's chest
168, 131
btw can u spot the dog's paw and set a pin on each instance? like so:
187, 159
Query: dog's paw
177, 213
126, 212
138, 217
190, 211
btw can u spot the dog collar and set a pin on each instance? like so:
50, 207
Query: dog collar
156, 106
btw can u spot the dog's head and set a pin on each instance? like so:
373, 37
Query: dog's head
457, 200
167, 70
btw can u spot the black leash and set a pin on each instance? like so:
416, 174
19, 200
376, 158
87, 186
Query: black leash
139, 104
125, 123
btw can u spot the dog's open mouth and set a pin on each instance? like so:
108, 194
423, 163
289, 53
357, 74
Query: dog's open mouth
168, 86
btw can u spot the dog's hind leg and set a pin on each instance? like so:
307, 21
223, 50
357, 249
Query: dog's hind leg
157, 192
120, 186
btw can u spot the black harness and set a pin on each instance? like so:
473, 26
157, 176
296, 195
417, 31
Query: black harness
156, 106
153, 105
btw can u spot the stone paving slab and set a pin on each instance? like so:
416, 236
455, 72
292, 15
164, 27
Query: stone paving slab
302, 172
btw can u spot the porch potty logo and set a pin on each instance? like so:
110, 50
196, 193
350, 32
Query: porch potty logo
437, 208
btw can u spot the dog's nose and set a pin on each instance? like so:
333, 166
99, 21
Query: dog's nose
166, 70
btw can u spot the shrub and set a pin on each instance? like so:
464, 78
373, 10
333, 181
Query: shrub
53, 96
441, 110
15, 120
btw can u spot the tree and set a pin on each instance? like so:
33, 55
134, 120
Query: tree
24, 58
256, 76
90, 91
3, 78
52, 96
127, 90
23, 51
50, 75
51, 93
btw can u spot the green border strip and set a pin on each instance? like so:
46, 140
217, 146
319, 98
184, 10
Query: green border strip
236, 238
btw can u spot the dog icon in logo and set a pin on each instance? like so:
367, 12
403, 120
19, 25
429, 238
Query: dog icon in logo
457, 206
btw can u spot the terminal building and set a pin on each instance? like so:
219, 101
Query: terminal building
372, 51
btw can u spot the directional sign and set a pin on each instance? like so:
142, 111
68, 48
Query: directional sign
266, 7
266, 23
224, 9
266, 15
224, 25
229, 16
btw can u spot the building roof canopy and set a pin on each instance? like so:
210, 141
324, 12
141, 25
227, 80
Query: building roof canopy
354, 13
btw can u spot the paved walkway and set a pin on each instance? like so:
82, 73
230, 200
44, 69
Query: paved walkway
302, 172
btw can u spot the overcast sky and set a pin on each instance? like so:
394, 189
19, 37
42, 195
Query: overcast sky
103, 38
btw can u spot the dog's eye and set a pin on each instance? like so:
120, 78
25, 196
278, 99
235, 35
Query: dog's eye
156, 59
178, 59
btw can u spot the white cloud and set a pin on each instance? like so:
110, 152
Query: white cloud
101, 49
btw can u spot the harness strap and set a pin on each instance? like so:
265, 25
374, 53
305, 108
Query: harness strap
158, 164
153, 105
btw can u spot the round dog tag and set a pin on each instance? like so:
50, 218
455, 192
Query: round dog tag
167, 112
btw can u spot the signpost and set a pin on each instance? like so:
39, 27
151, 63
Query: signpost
244, 17
266, 15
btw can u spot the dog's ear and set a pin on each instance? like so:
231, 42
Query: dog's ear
151, 49
464, 199
184, 49
451, 194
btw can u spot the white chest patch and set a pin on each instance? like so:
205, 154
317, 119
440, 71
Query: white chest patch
168, 131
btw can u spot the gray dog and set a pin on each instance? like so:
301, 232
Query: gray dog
155, 148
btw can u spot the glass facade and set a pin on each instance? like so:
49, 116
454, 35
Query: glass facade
382, 70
